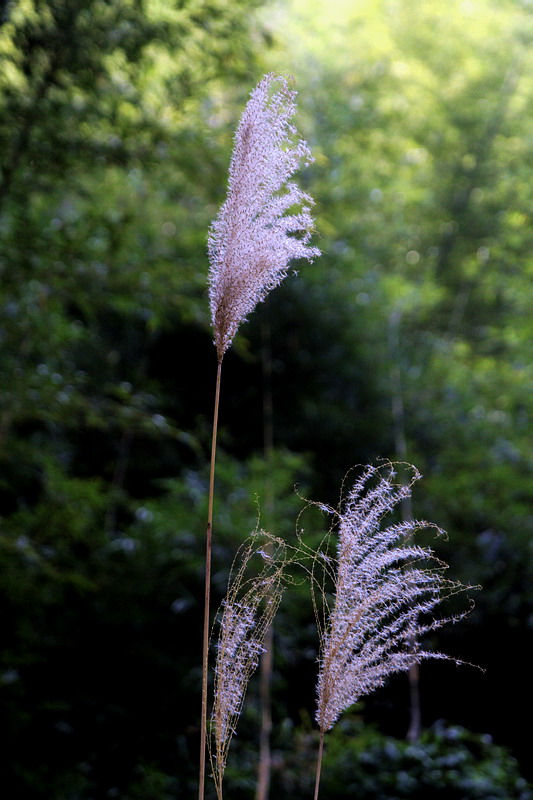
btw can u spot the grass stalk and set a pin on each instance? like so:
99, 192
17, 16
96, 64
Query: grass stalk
207, 592
319, 764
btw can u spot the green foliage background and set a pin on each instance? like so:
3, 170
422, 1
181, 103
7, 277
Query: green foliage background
409, 338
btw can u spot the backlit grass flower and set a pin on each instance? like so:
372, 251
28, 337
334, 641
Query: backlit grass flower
265, 221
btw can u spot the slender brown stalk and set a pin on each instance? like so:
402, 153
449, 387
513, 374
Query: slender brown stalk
319, 764
207, 595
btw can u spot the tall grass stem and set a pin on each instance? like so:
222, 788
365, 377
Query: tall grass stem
319, 764
207, 594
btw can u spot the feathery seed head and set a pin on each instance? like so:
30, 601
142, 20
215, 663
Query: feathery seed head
383, 593
252, 241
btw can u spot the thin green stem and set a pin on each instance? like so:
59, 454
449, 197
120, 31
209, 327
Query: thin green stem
207, 595
319, 764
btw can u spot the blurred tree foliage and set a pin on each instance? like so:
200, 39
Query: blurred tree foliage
409, 338
446, 762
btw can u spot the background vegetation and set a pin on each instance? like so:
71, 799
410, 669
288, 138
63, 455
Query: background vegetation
411, 337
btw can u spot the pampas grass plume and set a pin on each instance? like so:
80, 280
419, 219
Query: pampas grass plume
252, 241
385, 590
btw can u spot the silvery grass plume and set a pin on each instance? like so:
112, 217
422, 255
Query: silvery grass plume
386, 589
246, 614
251, 241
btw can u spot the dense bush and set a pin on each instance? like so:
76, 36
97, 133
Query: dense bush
448, 763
